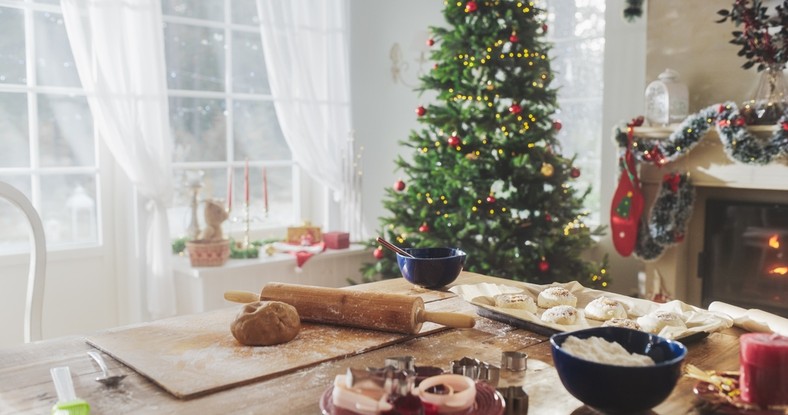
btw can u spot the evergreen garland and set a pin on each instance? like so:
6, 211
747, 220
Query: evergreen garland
633, 10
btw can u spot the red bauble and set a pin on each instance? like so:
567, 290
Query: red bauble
515, 109
420, 111
453, 141
574, 173
399, 185
471, 6
740, 122
490, 199
548, 218
544, 28
378, 253
424, 228
544, 266
430, 42
557, 125
514, 38
785, 126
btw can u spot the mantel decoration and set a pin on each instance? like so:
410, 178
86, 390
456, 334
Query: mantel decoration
212, 249
763, 41
672, 207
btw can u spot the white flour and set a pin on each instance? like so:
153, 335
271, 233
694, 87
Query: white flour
599, 350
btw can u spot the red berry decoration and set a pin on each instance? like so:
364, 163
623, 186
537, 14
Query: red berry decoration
785, 126
515, 109
420, 111
378, 253
399, 185
490, 199
557, 125
424, 228
544, 28
471, 7
453, 141
740, 122
574, 173
544, 266
514, 38
430, 42
548, 218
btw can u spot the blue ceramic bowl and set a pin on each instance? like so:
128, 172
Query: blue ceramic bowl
431, 267
622, 389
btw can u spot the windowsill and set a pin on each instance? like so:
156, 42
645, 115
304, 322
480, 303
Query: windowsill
181, 262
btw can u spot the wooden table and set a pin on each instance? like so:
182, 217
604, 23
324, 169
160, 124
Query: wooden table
26, 386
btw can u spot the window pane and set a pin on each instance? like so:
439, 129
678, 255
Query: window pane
69, 208
578, 67
249, 74
65, 129
257, 133
195, 57
198, 127
12, 46
54, 61
245, 12
198, 9
15, 144
15, 237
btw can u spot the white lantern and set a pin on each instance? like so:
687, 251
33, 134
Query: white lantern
667, 99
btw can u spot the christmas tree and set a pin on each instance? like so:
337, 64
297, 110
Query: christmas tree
486, 174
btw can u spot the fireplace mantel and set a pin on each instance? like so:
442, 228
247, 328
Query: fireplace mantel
715, 175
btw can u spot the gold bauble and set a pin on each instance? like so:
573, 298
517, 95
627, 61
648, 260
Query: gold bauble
547, 169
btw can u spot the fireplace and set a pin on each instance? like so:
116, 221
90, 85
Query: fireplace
685, 270
744, 260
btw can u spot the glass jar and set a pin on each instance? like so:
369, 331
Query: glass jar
768, 103
667, 99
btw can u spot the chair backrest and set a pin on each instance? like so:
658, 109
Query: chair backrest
38, 259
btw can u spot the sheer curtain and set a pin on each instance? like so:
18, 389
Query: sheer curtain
119, 53
305, 44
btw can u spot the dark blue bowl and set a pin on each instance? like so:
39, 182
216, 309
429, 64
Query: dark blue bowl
431, 267
622, 389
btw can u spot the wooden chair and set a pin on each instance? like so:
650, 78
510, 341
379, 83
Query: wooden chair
38, 258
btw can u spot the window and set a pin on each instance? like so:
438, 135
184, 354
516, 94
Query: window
49, 148
577, 31
222, 114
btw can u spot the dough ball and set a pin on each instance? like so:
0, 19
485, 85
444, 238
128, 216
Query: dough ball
655, 321
603, 308
622, 322
265, 323
560, 314
553, 296
517, 301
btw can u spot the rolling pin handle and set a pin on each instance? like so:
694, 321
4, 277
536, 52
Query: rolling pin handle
455, 320
243, 297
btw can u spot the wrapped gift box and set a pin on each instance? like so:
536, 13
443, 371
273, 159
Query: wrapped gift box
337, 240
304, 235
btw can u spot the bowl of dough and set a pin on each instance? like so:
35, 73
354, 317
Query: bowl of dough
616, 369
431, 267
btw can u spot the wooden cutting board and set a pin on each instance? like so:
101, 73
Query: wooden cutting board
196, 355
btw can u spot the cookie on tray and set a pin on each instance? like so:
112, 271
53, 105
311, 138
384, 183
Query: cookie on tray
519, 301
553, 296
560, 314
604, 308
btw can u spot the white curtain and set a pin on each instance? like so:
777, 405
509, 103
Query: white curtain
305, 44
119, 53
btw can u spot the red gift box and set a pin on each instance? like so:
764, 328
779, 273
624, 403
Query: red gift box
337, 240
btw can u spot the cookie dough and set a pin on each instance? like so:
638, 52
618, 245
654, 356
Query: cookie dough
560, 314
265, 323
603, 308
516, 301
622, 322
553, 296
655, 321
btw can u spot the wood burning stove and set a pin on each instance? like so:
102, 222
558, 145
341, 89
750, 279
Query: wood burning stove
745, 256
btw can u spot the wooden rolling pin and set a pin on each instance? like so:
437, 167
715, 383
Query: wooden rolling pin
368, 310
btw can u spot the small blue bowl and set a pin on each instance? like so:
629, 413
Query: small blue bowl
431, 267
620, 389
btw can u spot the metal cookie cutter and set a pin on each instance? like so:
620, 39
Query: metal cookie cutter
477, 370
514, 364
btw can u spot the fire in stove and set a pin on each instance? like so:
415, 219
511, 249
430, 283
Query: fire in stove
775, 257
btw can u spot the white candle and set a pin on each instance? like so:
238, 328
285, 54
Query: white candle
265, 190
246, 182
229, 188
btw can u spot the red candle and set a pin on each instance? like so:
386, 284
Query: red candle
229, 189
246, 182
265, 190
764, 369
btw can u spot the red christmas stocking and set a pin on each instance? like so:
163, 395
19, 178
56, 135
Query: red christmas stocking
627, 207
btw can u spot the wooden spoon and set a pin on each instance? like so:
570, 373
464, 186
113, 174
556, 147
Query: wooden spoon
393, 247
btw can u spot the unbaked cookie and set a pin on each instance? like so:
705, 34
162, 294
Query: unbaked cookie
655, 321
518, 301
553, 296
603, 308
560, 314
265, 323
622, 322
